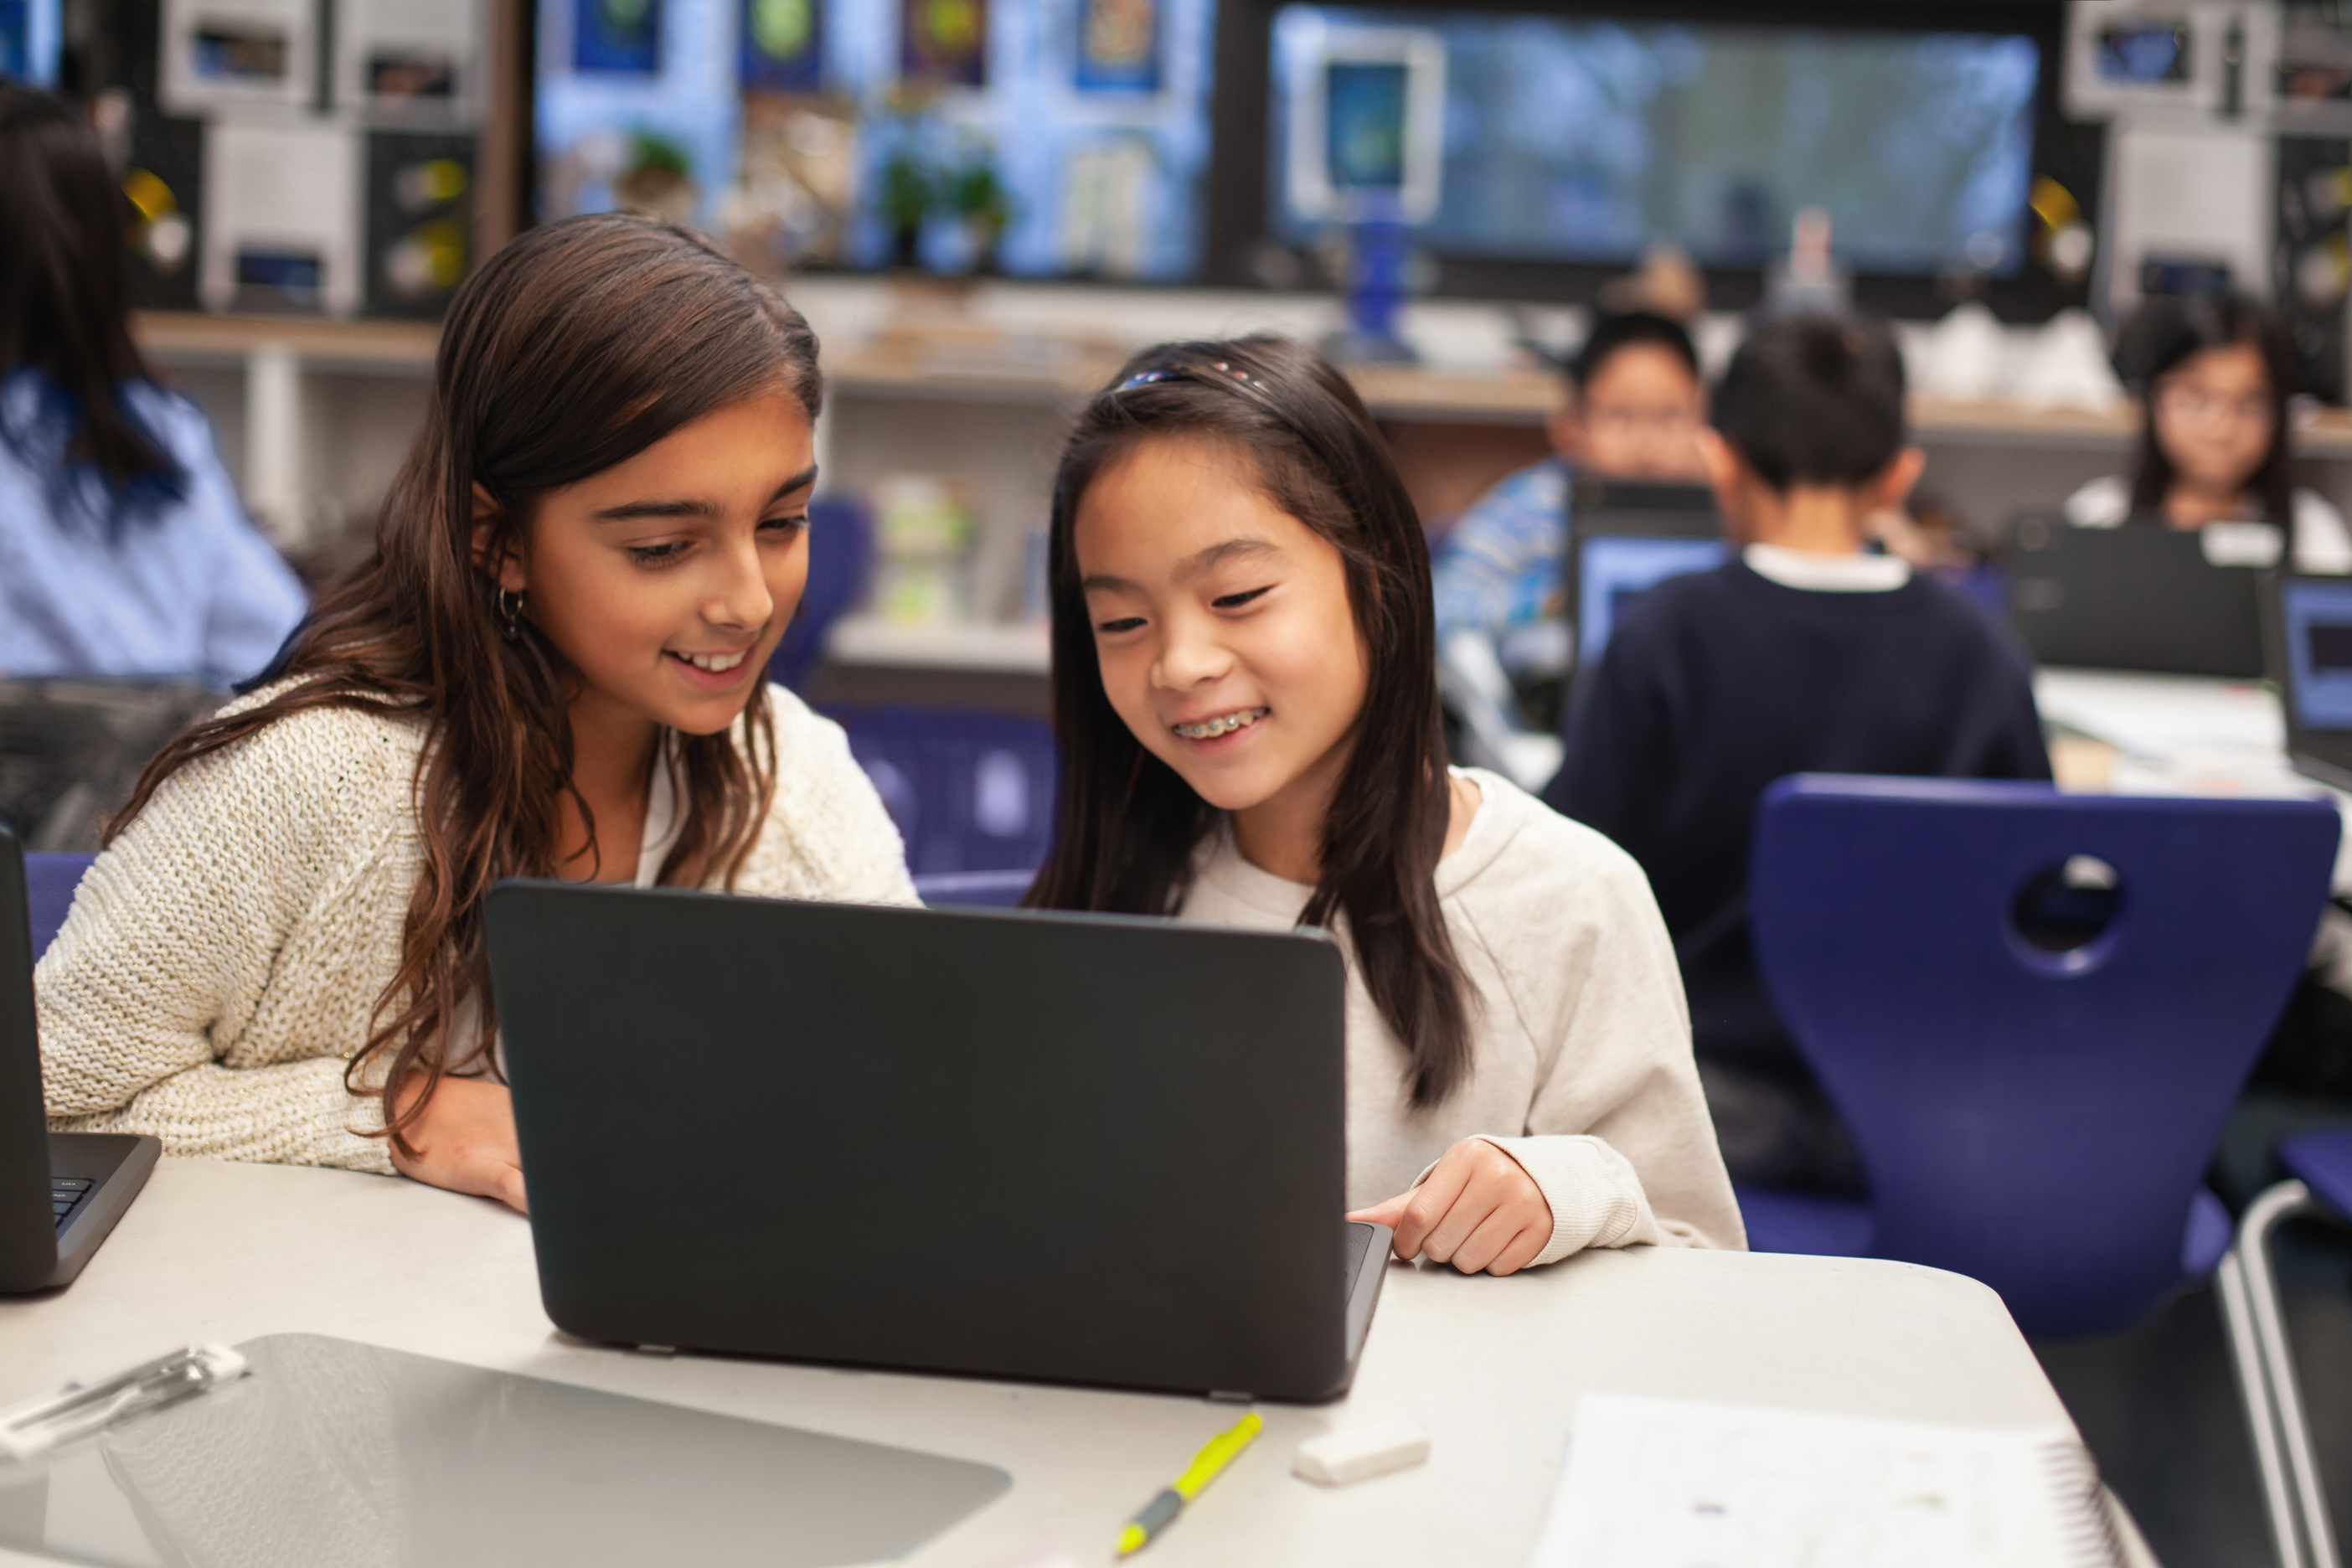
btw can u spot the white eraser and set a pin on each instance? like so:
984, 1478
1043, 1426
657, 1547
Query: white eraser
1359, 1453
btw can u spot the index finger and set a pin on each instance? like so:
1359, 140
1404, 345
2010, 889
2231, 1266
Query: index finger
1431, 1201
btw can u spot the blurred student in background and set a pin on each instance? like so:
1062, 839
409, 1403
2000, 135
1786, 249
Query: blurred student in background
1634, 412
2213, 373
1803, 653
123, 550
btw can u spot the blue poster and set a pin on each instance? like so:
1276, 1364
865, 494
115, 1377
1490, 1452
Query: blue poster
15, 39
618, 36
1119, 46
783, 46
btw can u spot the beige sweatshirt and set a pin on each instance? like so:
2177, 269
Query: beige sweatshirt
1580, 1061
225, 955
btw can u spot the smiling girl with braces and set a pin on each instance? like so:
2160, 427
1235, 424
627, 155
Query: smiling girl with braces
1245, 701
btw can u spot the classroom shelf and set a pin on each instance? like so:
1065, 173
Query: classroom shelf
1001, 649
186, 337
1040, 372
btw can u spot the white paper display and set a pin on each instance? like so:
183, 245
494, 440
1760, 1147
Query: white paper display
282, 205
411, 62
222, 54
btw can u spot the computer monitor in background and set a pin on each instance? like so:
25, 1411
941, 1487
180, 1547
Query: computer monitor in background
1615, 569
1624, 519
2309, 625
2141, 596
1586, 138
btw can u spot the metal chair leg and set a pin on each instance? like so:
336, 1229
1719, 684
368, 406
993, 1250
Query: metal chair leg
2247, 1360
2292, 1487
2262, 1218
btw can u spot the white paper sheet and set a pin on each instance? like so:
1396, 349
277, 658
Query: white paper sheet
1661, 1483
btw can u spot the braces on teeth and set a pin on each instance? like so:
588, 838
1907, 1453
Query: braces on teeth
1222, 726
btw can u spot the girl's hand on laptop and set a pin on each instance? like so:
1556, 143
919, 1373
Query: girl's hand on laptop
1477, 1210
466, 1141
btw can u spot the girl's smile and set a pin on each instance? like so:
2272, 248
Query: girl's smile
1205, 734
713, 671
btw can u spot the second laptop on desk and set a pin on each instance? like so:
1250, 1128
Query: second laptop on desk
2141, 596
1061, 1147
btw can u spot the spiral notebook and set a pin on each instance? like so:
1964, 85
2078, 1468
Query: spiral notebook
1664, 1483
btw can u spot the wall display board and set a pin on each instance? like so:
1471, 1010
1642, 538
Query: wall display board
1043, 138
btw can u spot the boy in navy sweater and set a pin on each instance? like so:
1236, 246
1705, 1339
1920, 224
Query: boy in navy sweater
1802, 654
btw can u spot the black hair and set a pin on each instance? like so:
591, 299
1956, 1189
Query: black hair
2168, 331
1626, 330
65, 311
1126, 825
1814, 399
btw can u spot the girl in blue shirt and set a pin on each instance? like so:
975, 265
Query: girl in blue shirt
123, 551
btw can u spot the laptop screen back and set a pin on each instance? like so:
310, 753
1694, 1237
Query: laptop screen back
1614, 570
2315, 614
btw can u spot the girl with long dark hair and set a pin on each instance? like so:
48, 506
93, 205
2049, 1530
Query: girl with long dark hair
123, 549
1245, 701
553, 665
2213, 374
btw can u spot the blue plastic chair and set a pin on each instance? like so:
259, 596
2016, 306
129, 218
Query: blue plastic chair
2320, 1186
50, 880
2032, 1114
975, 889
969, 791
840, 554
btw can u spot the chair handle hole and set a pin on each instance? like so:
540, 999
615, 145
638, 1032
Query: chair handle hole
2063, 908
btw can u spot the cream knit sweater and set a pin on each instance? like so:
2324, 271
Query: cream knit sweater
224, 957
1581, 1063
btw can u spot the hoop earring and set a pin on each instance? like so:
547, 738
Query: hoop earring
509, 612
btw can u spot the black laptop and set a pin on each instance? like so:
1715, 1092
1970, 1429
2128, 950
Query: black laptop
2141, 596
1624, 536
2307, 625
60, 1192
1066, 1148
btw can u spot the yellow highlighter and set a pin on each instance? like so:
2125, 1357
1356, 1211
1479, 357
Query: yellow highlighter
1203, 1470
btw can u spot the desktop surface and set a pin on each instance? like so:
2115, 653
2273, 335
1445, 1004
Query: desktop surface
1490, 1368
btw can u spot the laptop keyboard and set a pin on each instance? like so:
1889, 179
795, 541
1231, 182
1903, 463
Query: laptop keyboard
67, 1194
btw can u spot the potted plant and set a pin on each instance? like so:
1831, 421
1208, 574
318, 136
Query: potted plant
905, 199
980, 202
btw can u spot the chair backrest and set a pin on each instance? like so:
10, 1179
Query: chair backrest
2036, 1113
971, 791
975, 889
840, 552
50, 880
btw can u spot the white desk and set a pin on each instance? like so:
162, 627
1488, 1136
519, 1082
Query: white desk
2184, 734
1490, 1367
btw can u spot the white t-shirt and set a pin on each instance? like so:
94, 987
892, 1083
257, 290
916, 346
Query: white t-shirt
1580, 1064
2323, 546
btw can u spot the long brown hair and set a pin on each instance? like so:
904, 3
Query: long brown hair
64, 299
574, 348
1126, 825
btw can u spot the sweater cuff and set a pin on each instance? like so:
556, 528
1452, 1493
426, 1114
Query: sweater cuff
1595, 1196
